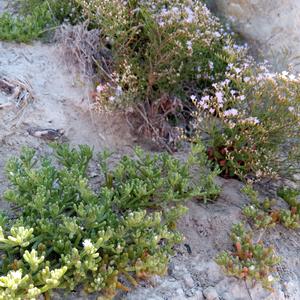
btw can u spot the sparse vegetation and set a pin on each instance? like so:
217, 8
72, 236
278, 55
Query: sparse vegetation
263, 214
250, 260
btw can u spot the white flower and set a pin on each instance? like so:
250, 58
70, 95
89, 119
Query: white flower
212, 110
193, 97
285, 73
87, 244
270, 278
242, 97
252, 268
211, 65
217, 34
190, 15
100, 88
237, 70
111, 98
205, 98
246, 79
219, 96
189, 45
230, 112
291, 108
252, 120
119, 91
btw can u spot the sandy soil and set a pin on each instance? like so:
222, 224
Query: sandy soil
61, 101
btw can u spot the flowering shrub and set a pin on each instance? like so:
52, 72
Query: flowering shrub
66, 234
158, 47
249, 260
251, 120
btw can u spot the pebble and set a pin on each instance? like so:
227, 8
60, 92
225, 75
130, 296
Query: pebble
210, 294
227, 296
197, 296
188, 280
179, 271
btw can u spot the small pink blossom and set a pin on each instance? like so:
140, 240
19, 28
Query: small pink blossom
205, 98
291, 108
230, 112
100, 88
252, 120
219, 96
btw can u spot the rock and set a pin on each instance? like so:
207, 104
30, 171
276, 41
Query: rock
210, 293
198, 295
178, 272
227, 296
156, 280
179, 292
168, 285
271, 24
210, 270
231, 288
47, 134
179, 295
188, 280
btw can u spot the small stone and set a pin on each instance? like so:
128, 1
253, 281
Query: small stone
210, 294
179, 295
179, 292
227, 296
156, 280
210, 270
198, 295
190, 293
178, 298
178, 272
188, 280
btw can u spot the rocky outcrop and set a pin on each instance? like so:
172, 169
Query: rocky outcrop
272, 24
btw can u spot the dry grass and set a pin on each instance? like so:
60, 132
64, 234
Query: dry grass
20, 92
80, 46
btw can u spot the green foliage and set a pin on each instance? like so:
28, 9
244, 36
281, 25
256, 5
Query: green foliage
27, 28
249, 260
67, 234
263, 214
35, 17
156, 180
61, 10
290, 196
